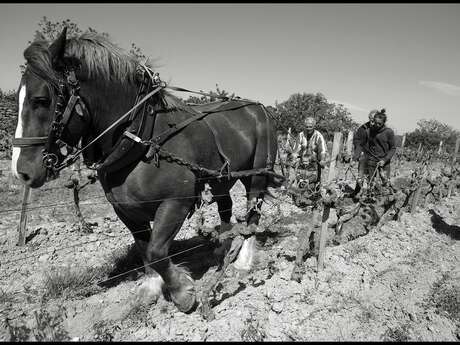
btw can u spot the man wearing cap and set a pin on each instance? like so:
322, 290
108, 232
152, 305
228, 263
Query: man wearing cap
312, 148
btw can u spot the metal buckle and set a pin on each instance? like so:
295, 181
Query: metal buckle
49, 160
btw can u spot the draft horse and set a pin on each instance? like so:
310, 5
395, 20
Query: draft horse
75, 89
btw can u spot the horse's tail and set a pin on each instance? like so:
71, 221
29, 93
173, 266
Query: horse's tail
273, 179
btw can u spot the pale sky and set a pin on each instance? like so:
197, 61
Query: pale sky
404, 57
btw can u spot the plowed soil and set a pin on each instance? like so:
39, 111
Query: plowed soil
399, 283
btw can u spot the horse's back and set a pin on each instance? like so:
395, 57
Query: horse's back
243, 129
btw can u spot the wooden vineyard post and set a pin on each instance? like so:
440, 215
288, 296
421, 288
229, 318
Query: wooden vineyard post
454, 158
399, 157
22, 228
415, 198
419, 150
403, 141
323, 237
440, 148
350, 144
326, 208
417, 193
335, 152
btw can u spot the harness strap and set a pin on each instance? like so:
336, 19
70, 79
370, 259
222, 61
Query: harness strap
74, 156
221, 151
160, 139
29, 141
68, 110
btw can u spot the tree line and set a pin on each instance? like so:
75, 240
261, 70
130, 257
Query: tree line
291, 113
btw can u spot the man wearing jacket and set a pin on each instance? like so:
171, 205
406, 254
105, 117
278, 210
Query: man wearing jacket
381, 147
374, 147
312, 148
359, 141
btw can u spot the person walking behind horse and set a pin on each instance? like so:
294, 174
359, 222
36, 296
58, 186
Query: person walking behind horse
379, 148
312, 148
359, 141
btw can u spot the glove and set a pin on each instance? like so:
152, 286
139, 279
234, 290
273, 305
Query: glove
381, 163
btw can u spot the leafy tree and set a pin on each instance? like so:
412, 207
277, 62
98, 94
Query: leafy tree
330, 117
213, 96
49, 31
430, 132
8, 116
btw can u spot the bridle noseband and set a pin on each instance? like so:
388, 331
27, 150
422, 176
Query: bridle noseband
62, 114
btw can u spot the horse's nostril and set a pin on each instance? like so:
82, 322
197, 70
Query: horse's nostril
24, 177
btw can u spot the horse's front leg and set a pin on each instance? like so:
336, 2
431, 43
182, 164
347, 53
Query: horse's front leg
178, 281
151, 289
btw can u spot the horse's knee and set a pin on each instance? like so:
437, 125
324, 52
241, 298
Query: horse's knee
156, 255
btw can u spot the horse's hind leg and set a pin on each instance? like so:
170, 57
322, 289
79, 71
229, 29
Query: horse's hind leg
224, 207
255, 188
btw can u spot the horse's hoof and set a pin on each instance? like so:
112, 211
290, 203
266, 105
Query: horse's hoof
184, 298
150, 290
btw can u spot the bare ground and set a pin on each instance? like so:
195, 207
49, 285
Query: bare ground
399, 283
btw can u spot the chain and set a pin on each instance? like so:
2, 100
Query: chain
172, 158
158, 153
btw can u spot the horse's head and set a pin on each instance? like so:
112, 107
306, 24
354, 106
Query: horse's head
51, 116
71, 89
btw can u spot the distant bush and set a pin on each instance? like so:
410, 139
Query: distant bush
8, 118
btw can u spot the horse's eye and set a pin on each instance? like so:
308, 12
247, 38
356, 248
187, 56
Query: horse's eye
41, 102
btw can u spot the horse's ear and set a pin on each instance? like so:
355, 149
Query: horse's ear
57, 48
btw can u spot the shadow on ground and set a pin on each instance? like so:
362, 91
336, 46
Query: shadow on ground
453, 231
196, 254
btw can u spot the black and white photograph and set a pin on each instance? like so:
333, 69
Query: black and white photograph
213, 172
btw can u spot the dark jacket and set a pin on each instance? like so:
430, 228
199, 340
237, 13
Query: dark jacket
360, 139
381, 145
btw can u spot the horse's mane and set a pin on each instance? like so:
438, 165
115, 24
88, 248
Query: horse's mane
103, 60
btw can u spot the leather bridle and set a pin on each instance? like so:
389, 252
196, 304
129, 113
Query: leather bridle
53, 142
